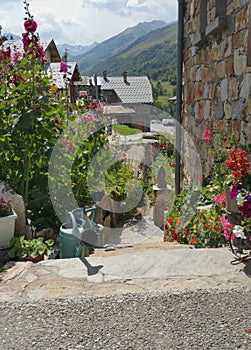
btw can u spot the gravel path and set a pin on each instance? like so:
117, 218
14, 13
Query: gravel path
204, 319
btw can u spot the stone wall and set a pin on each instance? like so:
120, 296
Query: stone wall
217, 80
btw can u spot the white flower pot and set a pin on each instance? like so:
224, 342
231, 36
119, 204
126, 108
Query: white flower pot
7, 228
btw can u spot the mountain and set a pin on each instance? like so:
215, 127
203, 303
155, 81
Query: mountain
115, 45
11, 36
74, 50
153, 54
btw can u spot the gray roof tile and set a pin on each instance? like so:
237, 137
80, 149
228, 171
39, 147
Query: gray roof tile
134, 90
57, 76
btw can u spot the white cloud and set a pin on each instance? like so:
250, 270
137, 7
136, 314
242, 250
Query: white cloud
84, 21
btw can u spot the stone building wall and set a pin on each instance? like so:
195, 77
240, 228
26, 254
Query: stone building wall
217, 80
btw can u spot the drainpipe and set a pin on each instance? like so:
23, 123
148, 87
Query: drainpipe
96, 86
179, 95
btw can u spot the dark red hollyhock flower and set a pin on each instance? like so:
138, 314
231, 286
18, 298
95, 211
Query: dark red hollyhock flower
30, 26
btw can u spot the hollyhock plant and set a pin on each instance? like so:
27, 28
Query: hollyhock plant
34, 113
29, 109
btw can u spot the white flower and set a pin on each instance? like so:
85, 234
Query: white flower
240, 199
238, 231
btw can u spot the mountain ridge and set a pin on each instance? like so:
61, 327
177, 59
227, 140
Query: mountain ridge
153, 54
112, 46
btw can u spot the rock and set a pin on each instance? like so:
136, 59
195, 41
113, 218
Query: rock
47, 233
17, 204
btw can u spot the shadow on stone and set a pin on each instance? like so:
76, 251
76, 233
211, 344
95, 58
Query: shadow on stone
91, 270
247, 268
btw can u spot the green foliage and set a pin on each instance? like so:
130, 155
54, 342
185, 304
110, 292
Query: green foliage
80, 166
34, 113
201, 228
23, 248
162, 92
125, 130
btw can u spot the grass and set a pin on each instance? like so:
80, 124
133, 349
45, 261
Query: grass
125, 130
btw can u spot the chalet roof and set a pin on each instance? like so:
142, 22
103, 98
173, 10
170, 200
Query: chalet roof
58, 77
129, 89
48, 45
132, 90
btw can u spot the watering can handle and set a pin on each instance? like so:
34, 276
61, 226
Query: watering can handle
75, 230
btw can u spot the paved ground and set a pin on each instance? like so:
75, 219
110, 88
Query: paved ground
134, 261
150, 270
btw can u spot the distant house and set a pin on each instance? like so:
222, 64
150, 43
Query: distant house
126, 97
215, 74
50, 49
126, 89
61, 82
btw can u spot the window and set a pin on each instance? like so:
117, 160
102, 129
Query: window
212, 19
219, 21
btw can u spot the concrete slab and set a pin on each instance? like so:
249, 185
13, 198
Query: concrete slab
173, 269
176, 264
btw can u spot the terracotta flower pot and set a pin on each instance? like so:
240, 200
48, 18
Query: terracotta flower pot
34, 260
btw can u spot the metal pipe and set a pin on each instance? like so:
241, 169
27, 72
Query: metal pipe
179, 95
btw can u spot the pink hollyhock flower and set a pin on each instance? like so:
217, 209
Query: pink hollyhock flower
26, 41
30, 26
16, 57
63, 67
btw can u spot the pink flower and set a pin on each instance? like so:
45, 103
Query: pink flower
30, 26
100, 105
83, 93
16, 57
227, 227
26, 41
85, 120
234, 191
5, 55
90, 117
63, 67
221, 198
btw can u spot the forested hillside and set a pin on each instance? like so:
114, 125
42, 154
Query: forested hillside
153, 54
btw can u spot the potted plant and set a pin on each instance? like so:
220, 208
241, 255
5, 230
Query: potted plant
31, 249
7, 223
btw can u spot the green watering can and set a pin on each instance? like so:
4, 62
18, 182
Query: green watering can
74, 235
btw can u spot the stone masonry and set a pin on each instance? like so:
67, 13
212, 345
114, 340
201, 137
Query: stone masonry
217, 79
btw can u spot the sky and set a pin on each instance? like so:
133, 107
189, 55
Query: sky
84, 21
